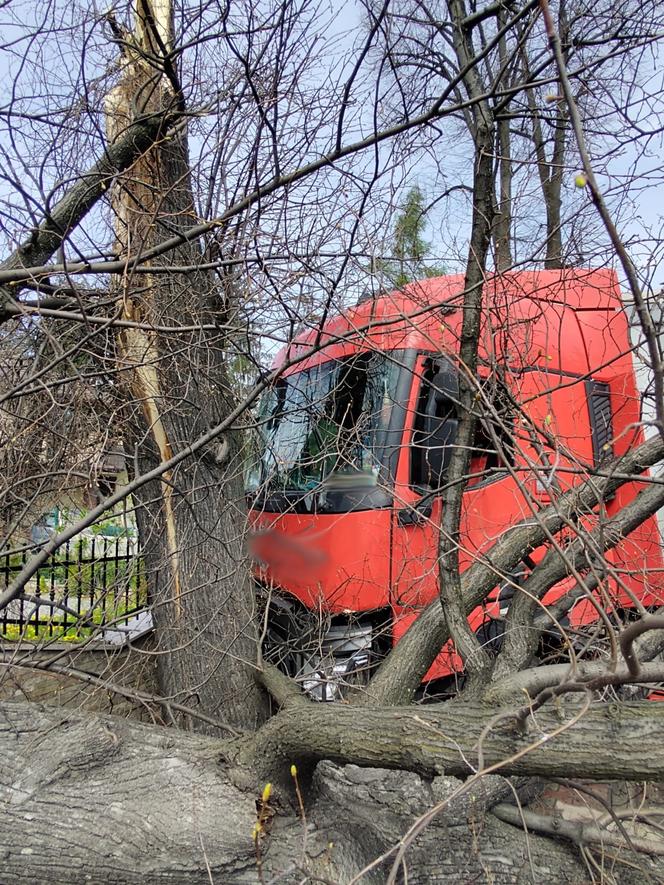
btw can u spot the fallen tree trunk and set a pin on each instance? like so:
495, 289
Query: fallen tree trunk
604, 741
100, 799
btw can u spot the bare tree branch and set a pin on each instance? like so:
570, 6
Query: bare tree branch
70, 210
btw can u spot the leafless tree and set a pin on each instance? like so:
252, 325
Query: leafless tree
181, 180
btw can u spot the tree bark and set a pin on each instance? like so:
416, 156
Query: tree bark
146, 804
191, 521
604, 742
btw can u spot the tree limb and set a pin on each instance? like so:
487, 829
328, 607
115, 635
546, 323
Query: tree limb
429, 740
70, 210
401, 673
580, 832
520, 643
585, 674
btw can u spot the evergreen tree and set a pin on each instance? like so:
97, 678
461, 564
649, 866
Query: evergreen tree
408, 244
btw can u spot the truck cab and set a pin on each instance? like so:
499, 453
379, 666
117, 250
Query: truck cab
348, 477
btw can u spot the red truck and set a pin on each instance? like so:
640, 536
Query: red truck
353, 440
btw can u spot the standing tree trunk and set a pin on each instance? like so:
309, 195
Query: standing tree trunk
550, 172
503, 221
191, 522
483, 132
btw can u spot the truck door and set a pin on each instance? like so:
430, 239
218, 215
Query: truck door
491, 503
427, 444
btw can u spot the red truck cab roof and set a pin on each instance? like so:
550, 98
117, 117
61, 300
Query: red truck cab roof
526, 318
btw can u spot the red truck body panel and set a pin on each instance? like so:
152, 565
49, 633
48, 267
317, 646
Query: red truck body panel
551, 332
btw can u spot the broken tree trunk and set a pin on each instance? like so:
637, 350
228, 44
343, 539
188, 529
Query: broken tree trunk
191, 520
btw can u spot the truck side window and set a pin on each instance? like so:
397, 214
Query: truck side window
434, 435
487, 457
601, 420
493, 444
424, 440
435, 426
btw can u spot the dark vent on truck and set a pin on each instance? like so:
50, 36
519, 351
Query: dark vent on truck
601, 426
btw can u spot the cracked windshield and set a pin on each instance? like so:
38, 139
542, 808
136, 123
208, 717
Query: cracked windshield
327, 424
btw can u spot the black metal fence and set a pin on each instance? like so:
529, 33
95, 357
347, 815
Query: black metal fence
88, 584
